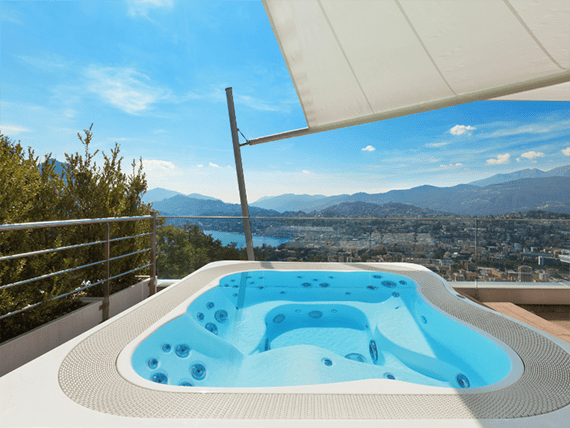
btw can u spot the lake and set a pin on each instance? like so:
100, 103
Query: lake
258, 241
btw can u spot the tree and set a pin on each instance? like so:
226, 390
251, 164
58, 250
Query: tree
106, 191
181, 251
31, 190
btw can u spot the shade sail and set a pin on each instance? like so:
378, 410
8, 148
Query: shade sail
358, 61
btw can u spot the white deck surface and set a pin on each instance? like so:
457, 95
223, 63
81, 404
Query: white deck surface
31, 396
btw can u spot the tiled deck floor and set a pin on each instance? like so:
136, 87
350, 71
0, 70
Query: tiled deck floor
529, 318
552, 323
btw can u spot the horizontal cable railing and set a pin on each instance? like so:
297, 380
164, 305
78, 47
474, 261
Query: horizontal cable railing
364, 218
49, 275
62, 223
107, 260
69, 247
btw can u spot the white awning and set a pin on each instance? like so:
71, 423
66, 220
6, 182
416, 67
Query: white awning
359, 61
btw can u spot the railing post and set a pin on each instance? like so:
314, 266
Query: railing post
106, 287
476, 259
152, 280
370, 238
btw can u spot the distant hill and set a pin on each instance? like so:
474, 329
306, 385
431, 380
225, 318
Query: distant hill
59, 167
287, 202
199, 196
420, 196
563, 171
389, 210
159, 194
181, 205
431, 197
546, 193
518, 192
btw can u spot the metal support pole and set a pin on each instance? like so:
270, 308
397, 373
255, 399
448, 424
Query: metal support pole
239, 171
106, 284
152, 280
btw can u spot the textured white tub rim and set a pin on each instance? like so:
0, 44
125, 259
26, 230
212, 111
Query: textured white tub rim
89, 377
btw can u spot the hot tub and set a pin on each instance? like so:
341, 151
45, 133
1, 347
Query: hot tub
272, 328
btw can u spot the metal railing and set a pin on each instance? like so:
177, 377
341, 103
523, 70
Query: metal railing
343, 235
106, 261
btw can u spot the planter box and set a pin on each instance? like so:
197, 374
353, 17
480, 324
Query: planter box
28, 346
128, 297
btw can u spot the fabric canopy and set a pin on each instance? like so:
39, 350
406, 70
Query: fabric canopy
358, 61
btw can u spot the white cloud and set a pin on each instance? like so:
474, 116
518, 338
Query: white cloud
566, 151
213, 165
123, 88
10, 130
217, 95
501, 160
142, 7
200, 166
70, 113
537, 128
69, 131
368, 149
461, 129
532, 155
257, 104
440, 144
157, 165
50, 62
306, 172
452, 165
10, 16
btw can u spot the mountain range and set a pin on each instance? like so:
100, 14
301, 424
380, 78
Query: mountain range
431, 197
159, 194
388, 210
181, 205
563, 171
506, 193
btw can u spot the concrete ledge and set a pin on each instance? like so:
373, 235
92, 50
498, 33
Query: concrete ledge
22, 349
517, 294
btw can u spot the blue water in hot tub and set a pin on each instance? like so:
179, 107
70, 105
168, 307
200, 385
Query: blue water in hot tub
275, 328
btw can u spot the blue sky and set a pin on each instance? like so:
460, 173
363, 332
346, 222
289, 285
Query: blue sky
150, 75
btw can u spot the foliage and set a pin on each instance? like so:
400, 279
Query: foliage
181, 251
31, 191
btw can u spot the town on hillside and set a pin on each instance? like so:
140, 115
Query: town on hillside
510, 248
